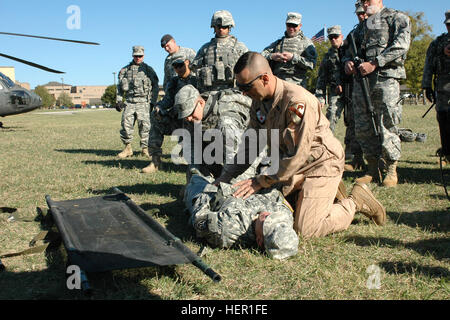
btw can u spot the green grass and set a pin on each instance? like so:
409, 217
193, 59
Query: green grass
73, 155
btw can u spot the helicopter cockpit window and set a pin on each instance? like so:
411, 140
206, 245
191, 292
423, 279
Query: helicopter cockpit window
7, 81
19, 98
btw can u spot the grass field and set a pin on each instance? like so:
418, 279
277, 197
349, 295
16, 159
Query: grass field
73, 155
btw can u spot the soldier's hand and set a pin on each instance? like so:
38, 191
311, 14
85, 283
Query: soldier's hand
287, 56
277, 56
119, 106
350, 67
447, 50
259, 222
246, 188
339, 90
367, 68
157, 113
429, 93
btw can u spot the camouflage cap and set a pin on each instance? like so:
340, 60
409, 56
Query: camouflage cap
222, 18
138, 51
334, 30
447, 17
359, 8
165, 38
185, 101
294, 18
280, 239
179, 57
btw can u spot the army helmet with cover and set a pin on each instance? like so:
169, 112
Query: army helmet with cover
359, 8
222, 18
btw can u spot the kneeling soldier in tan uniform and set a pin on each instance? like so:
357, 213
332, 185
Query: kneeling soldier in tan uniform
311, 159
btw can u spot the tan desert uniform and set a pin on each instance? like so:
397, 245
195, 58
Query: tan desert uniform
311, 159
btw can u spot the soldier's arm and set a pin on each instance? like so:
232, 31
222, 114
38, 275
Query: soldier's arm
267, 52
167, 101
399, 45
430, 68
297, 138
307, 59
155, 86
120, 91
321, 84
167, 73
198, 60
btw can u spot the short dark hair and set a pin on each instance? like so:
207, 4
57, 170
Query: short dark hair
244, 61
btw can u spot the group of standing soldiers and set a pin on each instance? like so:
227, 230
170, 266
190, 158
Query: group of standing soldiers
228, 88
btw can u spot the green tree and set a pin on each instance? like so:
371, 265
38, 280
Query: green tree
64, 100
312, 75
415, 61
109, 97
48, 100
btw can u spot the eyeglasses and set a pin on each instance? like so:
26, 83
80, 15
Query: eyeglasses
138, 56
223, 27
245, 87
291, 25
334, 36
178, 65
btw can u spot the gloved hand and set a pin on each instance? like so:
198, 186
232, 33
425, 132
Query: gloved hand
119, 106
429, 93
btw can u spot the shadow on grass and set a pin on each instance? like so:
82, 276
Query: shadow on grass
400, 267
438, 248
98, 152
430, 221
161, 189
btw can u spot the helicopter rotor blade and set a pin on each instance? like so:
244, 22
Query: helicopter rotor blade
30, 63
49, 38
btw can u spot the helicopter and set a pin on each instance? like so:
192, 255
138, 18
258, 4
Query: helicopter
15, 99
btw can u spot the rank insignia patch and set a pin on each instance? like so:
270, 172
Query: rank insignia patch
297, 111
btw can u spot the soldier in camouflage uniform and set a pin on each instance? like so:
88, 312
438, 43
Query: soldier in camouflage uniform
437, 64
294, 54
387, 36
215, 60
138, 86
174, 51
224, 221
164, 119
226, 111
331, 74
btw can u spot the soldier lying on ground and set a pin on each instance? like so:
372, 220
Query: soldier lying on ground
224, 221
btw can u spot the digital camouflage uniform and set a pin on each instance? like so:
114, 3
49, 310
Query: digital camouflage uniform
437, 64
167, 120
215, 60
225, 221
331, 73
226, 111
305, 57
169, 72
139, 86
386, 40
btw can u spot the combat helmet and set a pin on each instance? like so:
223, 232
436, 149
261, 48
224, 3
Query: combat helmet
222, 18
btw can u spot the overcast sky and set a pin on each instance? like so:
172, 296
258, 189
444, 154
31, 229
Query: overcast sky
118, 25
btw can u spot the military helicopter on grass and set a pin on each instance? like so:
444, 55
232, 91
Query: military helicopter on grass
15, 99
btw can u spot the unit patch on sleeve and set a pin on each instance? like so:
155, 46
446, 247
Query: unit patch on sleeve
297, 111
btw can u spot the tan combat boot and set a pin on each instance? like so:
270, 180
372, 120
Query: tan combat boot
145, 153
341, 192
154, 165
367, 204
373, 172
391, 178
127, 152
356, 164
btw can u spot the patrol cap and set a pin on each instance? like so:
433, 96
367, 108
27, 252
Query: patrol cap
447, 17
222, 18
185, 101
165, 39
294, 18
359, 8
334, 30
179, 58
138, 50
280, 239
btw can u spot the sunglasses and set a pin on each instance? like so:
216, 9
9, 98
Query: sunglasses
223, 27
334, 36
138, 56
245, 87
291, 25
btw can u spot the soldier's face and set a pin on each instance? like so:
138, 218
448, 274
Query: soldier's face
170, 46
221, 31
197, 115
138, 59
372, 6
292, 29
336, 40
361, 16
254, 87
182, 69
